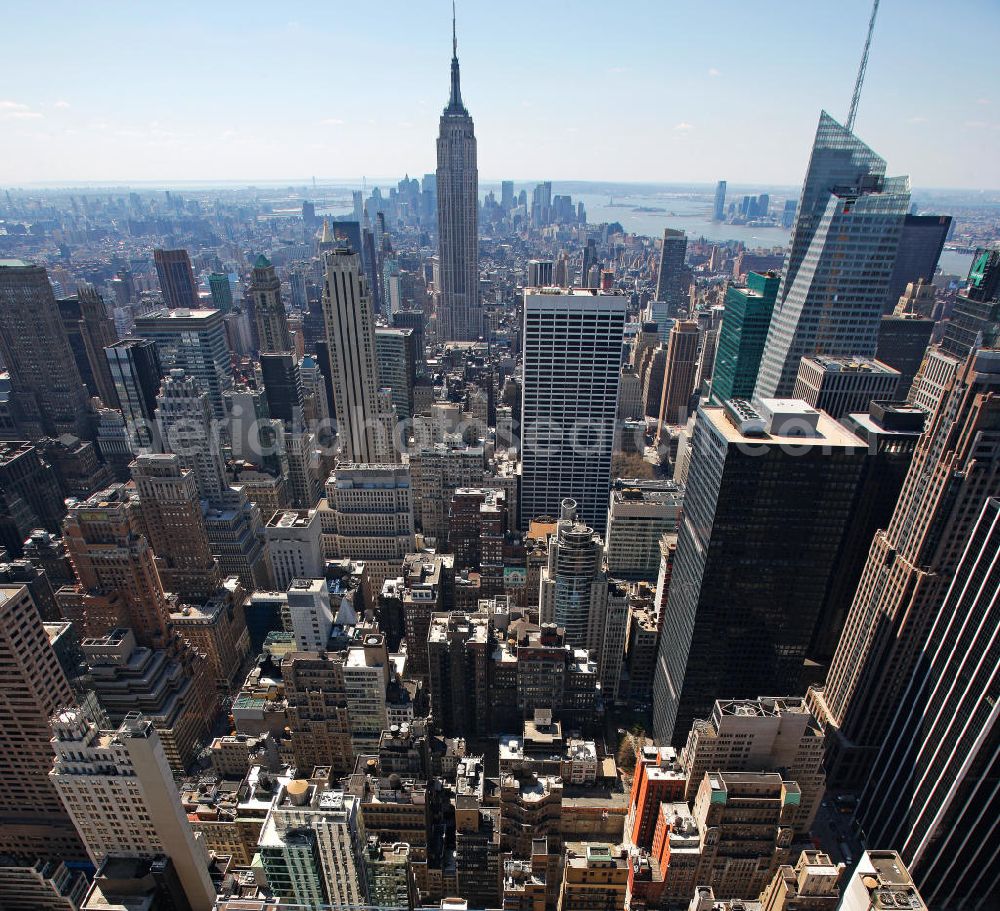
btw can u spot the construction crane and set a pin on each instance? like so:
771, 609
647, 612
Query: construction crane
861, 70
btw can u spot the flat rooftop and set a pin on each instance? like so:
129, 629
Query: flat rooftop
828, 431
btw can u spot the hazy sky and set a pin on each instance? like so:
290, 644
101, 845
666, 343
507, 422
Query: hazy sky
656, 90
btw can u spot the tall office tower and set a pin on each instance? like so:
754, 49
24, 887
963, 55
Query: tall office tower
176, 277
478, 857
459, 315
572, 354
47, 394
458, 650
294, 546
30, 494
116, 567
975, 318
173, 521
367, 515
438, 470
760, 735
904, 581
269, 309
539, 273
193, 341
844, 385
588, 261
939, 758
90, 330
136, 373
318, 711
679, 374
316, 400
311, 613
172, 687
629, 394
350, 331
672, 279
574, 588
232, 521
541, 204
279, 372
769, 500
843, 249
33, 686
185, 418
222, 291
333, 819
507, 195
903, 336
745, 321
639, 514
881, 880
920, 244
396, 352
719, 207
120, 794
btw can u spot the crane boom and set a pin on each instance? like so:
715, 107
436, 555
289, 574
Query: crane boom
861, 70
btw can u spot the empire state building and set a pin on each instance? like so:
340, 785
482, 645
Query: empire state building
459, 312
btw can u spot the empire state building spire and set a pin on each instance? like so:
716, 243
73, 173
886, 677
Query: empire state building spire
455, 105
458, 307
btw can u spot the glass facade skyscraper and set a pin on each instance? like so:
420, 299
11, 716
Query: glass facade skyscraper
745, 321
843, 250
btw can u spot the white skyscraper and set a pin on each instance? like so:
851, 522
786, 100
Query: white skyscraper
363, 425
119, 791
572, 354
837, 271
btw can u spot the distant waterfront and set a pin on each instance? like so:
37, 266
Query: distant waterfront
686, 208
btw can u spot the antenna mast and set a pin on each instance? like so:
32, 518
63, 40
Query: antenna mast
861, 70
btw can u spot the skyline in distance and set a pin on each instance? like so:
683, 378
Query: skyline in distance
675, 94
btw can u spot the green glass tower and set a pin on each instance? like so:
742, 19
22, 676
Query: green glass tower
745, 323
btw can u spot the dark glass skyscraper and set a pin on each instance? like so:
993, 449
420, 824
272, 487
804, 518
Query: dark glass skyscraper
920, 244
176, 277
770, 498
671, 282
459, 312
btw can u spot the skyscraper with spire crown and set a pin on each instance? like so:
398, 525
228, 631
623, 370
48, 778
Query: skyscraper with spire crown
459, 311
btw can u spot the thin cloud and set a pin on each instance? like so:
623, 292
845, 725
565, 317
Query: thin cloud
20, 115
976, 124
332, 122
917, 119
983, 101
61, 104
12, 106
713, 72
617, 69
684, 127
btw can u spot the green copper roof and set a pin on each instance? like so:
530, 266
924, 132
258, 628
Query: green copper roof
261, 262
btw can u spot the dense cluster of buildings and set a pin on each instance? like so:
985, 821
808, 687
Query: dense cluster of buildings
461, 553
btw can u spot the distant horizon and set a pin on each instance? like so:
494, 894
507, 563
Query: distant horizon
356, 183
